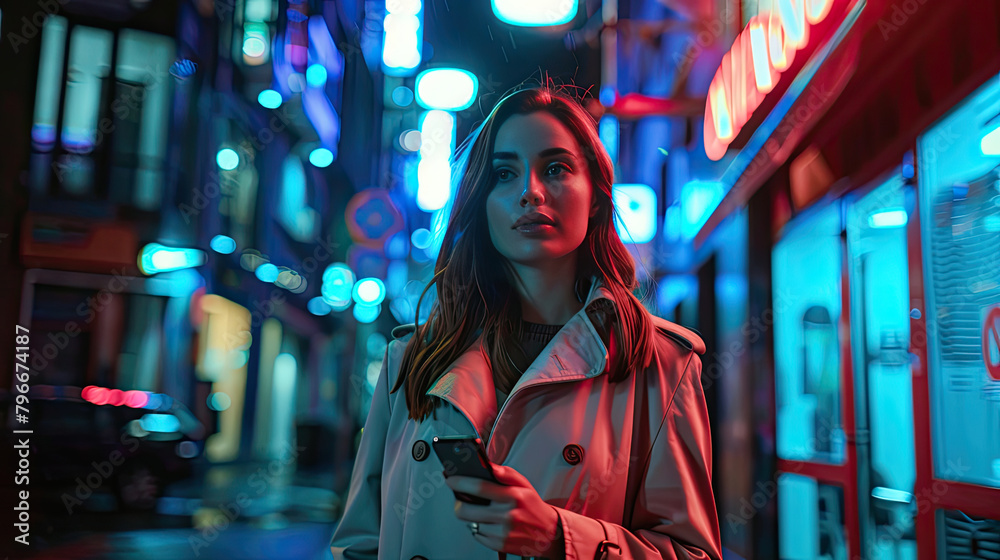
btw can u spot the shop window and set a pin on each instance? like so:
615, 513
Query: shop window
140, 110
880, 329
806, 269
810, 519
101, 132
960, 232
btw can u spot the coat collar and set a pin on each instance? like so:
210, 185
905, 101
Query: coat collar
576, 352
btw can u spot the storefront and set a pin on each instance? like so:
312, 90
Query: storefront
959, 400
874, 212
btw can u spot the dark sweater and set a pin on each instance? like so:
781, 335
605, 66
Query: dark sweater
533, 340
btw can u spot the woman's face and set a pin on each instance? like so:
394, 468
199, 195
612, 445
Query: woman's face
538, 166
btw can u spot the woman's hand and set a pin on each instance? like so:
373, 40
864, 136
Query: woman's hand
517, 521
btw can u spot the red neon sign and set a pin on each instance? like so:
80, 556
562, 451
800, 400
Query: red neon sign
763, 50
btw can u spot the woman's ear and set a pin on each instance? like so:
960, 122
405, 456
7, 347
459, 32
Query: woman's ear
593, 209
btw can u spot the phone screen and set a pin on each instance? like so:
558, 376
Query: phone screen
464, 456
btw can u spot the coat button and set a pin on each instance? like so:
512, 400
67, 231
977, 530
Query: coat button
420, 450
418, 558
573, 454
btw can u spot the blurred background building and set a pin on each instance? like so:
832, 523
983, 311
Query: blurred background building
215, 211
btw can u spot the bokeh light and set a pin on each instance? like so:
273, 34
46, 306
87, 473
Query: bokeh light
269, 99
223, 244
227, 158
321, 157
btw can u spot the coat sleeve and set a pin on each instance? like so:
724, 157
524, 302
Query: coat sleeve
356, 536
675, 516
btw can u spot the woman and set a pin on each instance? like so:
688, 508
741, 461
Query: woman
590, 408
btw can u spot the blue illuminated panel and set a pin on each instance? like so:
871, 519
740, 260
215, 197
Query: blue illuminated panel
537, 13
806, 268
959, 188
635, 217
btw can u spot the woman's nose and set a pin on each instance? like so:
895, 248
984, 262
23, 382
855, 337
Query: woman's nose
533, 192
532, 197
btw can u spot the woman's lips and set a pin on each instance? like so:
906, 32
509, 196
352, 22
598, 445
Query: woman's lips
536, 228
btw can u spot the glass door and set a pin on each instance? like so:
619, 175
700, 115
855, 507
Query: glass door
883, 396
815, 483
958, 395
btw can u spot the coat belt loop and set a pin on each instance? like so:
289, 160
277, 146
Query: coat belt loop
603, 546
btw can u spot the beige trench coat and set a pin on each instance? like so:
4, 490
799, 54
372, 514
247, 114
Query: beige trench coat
642, 487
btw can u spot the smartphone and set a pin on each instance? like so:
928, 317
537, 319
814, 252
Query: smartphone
464, 456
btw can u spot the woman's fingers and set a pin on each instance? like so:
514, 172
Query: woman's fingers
478, 487
483, 514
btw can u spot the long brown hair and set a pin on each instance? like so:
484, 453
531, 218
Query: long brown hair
474, 293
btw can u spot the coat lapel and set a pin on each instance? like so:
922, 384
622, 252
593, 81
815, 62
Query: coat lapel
576, 352
468, 386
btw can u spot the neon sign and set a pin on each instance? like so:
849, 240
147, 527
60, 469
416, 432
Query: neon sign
762, 51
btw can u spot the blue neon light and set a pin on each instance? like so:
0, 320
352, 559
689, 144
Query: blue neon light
321, 157
267, 272
892, 217
269, 99
537, 13
223, 244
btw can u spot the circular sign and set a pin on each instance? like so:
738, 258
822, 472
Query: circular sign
991, 343
372, 217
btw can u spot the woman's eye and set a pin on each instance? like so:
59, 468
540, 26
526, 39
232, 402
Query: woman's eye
560, 166
502, 174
